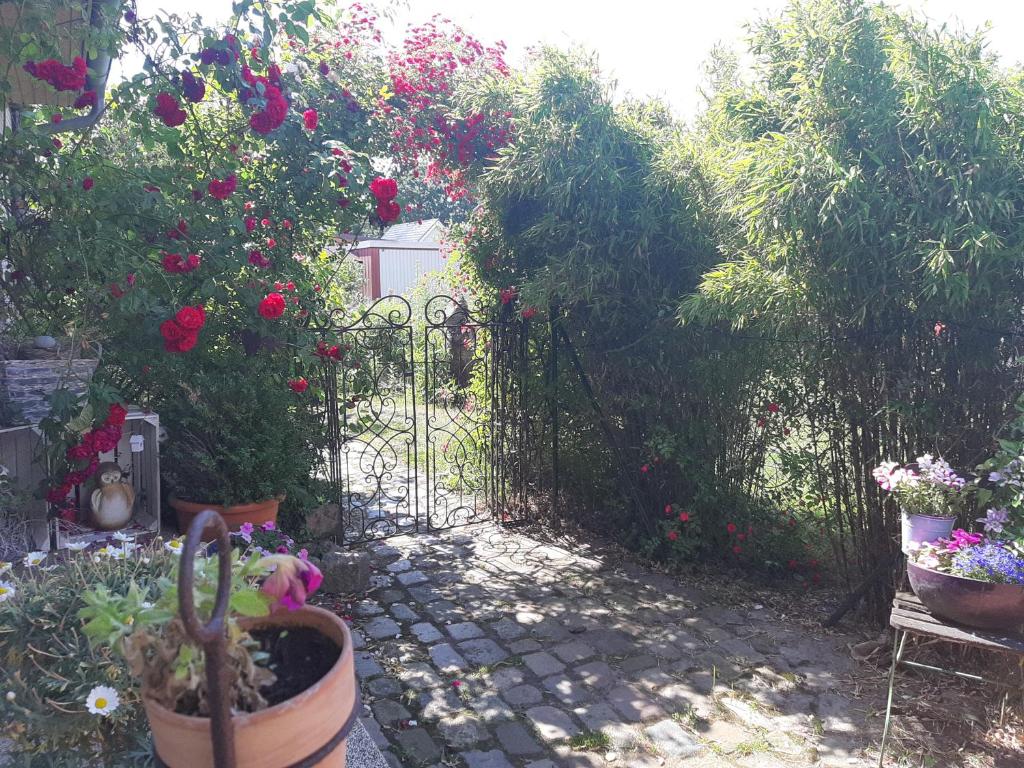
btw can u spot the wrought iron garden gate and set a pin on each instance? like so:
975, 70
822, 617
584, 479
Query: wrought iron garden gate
421, 415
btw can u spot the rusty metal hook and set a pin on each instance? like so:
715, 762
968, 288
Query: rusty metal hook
212, 635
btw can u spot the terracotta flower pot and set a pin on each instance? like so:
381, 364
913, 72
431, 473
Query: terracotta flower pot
257, 513
967, 601
305, 726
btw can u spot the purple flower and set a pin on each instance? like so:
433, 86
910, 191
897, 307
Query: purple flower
995, 519
963, 540
292, 581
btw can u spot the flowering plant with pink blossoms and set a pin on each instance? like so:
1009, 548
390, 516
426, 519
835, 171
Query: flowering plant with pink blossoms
929, 486
142, 624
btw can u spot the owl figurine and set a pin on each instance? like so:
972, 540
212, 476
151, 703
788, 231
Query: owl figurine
112, 502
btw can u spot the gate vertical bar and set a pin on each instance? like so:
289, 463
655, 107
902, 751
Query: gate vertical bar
553, 404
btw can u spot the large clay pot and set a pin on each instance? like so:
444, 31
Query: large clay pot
306, 726
967, 601
257, 513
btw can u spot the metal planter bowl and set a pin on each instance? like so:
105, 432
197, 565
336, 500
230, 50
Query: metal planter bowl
968, 601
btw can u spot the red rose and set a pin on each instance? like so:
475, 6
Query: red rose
250, 223
298, 385
257, 259
87, 183
106, 439
58, 494
171, 331
193, 87
271, 242
272, 306
87, 99
191, 318
187, 342
80, 452
673, 535
311, 119
388, 211
384, 189
116, 415
169, 110
61, 77
222, 189
731, 527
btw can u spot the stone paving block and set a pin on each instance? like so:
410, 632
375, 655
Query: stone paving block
611, 641
461, 731
390, 595
403, 612
596, 674
382, 627
417, 743
650, 679
483, 651
384, 686
399, 566
493, 758
411, 578
444, 611
541, 764
366, 608
598, 716
526, 645
549, 630
506, 677
438, 702
358, 641
566, 690
420, 676
465, 630
516, 739
573, 651
543, 664
446, 658
388, 712
637, 663
552, 724
491, 708
426, 632
506, 629
424, 593
366, 666
670, 739
523, 695
633, 704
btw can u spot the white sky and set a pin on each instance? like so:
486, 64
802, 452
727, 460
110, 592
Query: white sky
651, 47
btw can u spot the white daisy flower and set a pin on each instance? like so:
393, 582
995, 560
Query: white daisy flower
32, 559
7, 591
5, 567
102, 700
175, 545
119, 536
111, 552
76, 546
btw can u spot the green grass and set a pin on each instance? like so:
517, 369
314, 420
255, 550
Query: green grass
590, 741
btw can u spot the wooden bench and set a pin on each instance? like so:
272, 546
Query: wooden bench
910, 617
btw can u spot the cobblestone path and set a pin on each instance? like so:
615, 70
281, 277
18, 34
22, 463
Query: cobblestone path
483, 648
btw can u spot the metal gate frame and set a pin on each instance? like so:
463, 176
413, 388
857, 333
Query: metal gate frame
410, 445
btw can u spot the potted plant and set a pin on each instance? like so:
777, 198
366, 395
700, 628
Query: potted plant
971, 578
930, 495
234, 444
279, 684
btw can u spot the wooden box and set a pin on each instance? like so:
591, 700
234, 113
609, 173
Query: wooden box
20, 453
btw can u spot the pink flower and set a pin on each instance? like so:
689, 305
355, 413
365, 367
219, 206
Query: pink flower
731, 527
310, 119
673, 535
87, 183
292, 581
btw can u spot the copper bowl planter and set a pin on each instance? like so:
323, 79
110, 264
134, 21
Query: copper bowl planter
971, 602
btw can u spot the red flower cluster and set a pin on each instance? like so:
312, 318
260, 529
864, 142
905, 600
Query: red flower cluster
194, 88
299, 385
328, 353
87, 183
529, 312
386, 190
176, 264
257, 259
508, 295
60, 76
311, 119
87, 99
94, 442
222, 189
169, 110
275, 105
182, 331
272, 306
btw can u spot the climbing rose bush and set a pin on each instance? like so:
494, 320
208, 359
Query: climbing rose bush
206, 219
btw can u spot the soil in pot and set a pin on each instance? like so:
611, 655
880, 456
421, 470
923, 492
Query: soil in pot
299, 656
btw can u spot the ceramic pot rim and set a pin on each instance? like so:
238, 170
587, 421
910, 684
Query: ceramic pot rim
964, 578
